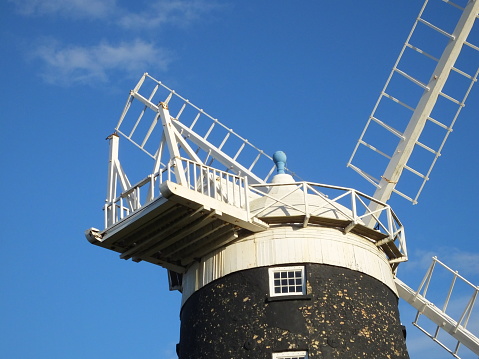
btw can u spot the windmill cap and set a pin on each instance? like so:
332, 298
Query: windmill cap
279, 159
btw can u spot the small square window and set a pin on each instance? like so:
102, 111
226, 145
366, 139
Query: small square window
291, 355
287, 281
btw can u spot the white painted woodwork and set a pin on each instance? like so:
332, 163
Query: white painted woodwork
284, 245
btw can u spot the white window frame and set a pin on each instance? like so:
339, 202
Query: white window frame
273, 270
291, 355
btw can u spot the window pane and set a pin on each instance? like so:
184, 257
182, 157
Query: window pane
286, 280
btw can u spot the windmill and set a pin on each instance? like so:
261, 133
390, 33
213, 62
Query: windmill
239, 235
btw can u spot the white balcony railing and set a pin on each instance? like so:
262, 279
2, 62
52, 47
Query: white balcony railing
220, 185
346, 206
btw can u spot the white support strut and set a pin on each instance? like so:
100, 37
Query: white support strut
222, 157
171, 138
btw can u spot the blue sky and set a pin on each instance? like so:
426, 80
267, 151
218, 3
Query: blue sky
297, 76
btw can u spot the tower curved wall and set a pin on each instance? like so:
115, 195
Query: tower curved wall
348, 308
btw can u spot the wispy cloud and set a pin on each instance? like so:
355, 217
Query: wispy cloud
74, 64
87, 65
70, 8
180, 13
466, 262
152, 15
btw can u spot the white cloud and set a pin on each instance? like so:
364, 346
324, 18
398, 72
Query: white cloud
68, 8
76, 64
180, 13
466, 262
153, 14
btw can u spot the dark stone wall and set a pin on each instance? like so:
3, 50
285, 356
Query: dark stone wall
345, 314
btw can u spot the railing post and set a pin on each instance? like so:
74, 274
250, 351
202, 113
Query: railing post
195, 177
138, 199
201, 186
227, 181
390, 223
112, 177
208, 182
215, 192
188, 173
306, 204
353, 205
246, 190
237, 196
106, 215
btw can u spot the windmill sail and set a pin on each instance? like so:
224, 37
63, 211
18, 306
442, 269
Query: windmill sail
456, 328
399, 123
